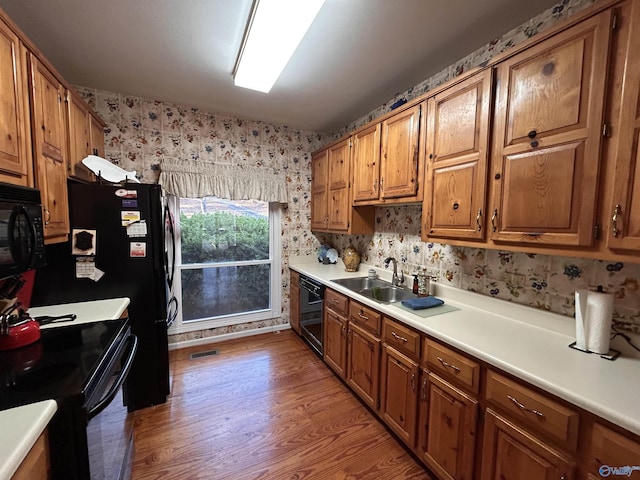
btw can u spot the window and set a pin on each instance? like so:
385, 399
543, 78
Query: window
228, 262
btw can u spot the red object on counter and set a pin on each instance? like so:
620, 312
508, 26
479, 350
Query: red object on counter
20, 335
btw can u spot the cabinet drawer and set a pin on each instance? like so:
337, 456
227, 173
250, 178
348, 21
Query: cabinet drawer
402, 338
452, 365
543, 414
366, 317
336, 302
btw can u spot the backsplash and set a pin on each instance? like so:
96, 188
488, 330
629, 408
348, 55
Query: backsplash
540, 281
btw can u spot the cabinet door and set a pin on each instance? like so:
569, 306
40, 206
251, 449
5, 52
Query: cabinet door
366, 164
294, 302
548, 136
457, 159
400, 154
624, 212
339, 205
510, 452
96, 134
49, 127
447, 428
363, 353
399, 397
610, 449
14, 117
319, 190
335, 342
79, 136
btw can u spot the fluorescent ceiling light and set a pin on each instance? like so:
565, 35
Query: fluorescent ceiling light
275, 29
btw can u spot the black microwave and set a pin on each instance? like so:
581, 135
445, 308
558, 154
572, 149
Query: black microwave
21, 230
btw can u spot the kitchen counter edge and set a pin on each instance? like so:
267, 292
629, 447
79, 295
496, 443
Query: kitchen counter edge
24, 425
526, 342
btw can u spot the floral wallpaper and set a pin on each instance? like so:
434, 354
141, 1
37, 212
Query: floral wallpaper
540, 281
140, 132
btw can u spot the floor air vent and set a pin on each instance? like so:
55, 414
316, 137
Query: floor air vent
206, 353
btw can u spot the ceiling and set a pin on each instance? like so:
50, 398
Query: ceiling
356, 56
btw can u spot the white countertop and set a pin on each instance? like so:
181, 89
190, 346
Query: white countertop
529, 343
21, 427
86, 312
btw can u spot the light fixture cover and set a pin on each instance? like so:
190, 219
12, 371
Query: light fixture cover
276, 29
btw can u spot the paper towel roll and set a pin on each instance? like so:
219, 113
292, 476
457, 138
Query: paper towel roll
594, 311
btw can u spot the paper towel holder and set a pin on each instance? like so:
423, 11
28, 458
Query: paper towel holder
610, 355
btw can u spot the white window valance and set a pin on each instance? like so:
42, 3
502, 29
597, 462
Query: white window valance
193, 179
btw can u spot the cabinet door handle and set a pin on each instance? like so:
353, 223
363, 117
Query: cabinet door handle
523, 408
448, 365
614, 220
375, 186
478, 217
413, 382
493, 220
48, 216
424, 389
398, 337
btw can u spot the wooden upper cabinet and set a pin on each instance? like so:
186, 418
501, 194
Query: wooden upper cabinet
366, 164
547, 137
96, 135
79, 125
623, 230
15, 151
50, 147
319, 190
457, 160
339, 205
401, 155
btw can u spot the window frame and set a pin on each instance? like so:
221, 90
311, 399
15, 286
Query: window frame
275, 294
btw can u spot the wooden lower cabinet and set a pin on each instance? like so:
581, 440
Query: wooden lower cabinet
335, 342
511, 453
612, 455
37, 463
363, 371
446, 428
399, 394
294, 302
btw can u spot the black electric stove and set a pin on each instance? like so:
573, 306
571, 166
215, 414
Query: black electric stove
82, 368
60, 366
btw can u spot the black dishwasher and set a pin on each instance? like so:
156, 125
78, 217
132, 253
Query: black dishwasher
311, 299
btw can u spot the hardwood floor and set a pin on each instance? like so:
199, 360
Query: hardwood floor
264, 407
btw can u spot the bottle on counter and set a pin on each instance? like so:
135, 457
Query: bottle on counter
415, 284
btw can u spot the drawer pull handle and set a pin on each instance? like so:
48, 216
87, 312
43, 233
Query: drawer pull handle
362, 316
523, 408
398, 337
335, 301
446, 364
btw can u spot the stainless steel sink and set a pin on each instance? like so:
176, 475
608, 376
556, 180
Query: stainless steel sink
379, 290
360, 283
387, 294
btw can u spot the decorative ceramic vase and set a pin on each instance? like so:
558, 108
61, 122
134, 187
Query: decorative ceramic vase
351, 259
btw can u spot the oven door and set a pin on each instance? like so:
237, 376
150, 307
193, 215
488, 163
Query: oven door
110, 427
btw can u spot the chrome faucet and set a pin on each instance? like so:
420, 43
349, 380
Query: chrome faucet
395, 280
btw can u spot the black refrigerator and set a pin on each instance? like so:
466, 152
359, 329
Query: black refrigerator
117, 249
